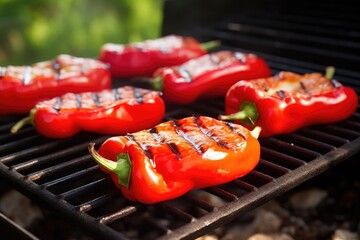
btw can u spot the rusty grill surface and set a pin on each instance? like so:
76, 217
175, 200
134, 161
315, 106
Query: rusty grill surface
61, 175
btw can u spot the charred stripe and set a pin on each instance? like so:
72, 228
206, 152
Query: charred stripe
185, 74
281, 94
57, 68
174, 148
154, 132
58, 104
209, 134
138, 95
171, 145
231, 126
198, 148
143, 147
78, 100
116, 94
96, 99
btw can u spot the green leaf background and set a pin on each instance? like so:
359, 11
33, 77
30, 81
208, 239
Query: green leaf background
38, 30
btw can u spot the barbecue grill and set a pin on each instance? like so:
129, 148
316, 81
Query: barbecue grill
61, 175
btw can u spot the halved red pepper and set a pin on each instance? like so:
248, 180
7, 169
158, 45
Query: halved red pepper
143, 58
111, 111
21, 87
288, 101
208, 76
177, 156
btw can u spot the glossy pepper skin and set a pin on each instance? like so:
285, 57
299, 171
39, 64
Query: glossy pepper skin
208, 76
111, 111
172, 158
288, 101
21, 87
143, 58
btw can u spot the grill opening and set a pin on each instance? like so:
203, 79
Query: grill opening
61, 176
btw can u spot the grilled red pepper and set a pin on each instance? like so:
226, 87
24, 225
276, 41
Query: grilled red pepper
208, 76
289, 101
110, 111
143, 58
21, 87
174, 157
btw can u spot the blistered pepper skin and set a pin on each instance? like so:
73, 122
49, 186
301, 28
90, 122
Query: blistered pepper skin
22, 87
209, 76
144, 58
177, 156
289, 101
116, 111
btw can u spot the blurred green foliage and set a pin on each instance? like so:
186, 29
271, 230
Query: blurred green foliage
37, 30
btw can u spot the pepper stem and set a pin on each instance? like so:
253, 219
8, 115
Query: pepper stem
330, 71
207, 46
121, 168
25, 121
248, 114
20, 124
157, 83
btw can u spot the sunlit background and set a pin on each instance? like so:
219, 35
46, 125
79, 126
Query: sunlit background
37, 30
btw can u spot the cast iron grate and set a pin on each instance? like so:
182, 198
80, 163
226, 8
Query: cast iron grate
62, 175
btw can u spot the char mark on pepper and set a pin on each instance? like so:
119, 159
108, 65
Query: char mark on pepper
96, 99
143, 147
138, 95
27, 75
208, 133
58, 104
198, 148
185, 74
154, 132
78, 100
281, 94
56, 67
115, 92
173, 147
232, 128
302, 85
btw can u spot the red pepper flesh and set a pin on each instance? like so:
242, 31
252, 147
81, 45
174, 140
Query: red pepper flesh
21, 87
208, 76
289, 101
144, 58
174, 157
111, 111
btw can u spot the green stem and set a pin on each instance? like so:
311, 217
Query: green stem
20, 124
247, 114
121, 168
25, 121
157, 83
330, 71
207, 46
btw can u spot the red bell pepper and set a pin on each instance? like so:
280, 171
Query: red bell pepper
177, 156
289, 101
208, 76
116, 111
143, 58
21, 87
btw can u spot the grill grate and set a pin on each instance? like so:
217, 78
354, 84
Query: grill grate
62, 175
